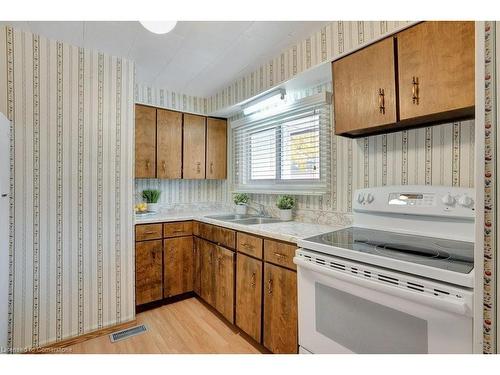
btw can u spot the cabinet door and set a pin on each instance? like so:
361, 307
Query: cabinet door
216, 148
249, 295
280, 309
364, 85
148, 271
169, 144
224, 283
178, 266
436, 68
208, 256
145, 142
194, 147
197, 266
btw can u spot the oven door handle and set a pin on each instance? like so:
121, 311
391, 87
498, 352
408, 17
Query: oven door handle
456, 307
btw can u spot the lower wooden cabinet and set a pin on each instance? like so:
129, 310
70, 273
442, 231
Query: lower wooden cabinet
224, 282
280, 327
148, 271
178, 266
249, 295
197, 266
217, 277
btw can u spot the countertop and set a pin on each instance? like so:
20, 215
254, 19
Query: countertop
290, 231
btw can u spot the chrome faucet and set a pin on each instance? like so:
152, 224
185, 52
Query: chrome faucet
262, 212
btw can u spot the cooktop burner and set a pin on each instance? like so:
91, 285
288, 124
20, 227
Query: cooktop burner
457, 256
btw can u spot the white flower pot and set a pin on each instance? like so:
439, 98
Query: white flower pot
153, 207
241, 209
285, 215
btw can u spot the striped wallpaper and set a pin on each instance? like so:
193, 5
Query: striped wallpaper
71, 244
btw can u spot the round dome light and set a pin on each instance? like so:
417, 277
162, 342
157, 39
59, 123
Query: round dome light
159, 27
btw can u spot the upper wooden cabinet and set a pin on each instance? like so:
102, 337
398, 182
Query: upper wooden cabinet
436, 69
145, 142
216, 148
194, 147
364, 88
174, 145
169, 144
422, 75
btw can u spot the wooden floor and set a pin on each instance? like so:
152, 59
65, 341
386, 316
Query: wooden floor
187, 326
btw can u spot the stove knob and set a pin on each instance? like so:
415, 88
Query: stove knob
448, 200
465, 201
361, 198
370, 198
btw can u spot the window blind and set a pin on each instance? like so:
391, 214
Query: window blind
284, 150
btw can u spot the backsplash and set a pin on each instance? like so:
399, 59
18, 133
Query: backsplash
71, 253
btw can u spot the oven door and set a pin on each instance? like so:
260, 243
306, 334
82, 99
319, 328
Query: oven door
343, 313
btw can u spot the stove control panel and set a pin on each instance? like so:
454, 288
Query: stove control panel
416, 200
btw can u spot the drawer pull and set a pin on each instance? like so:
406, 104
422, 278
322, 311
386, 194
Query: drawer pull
178, 231
150, 232
247, 245
414, 91
381, 101
279, 256
270, 286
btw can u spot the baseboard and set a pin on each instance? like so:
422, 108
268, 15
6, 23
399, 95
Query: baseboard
52, 348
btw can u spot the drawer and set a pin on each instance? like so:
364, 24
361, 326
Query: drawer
280, 253
148, 232
248, 244
222, 236
178, 229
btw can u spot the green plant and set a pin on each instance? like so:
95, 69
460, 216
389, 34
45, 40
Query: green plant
241, 198
151, 195
285, 202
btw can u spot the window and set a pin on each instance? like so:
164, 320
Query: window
286, 150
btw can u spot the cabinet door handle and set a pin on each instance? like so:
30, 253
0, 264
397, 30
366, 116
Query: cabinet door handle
148, 163
198, 167
164, 166
252, 282
415, 91
381, 101
270, 286
211, 167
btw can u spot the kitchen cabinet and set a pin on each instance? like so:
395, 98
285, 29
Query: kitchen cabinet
148, 271
178, 266
249, 244
365, 88
145, 142
222, 236
279, 253
280, 324
169, 144
436, 70
249, 295
422, 75
216, 148
224, 282
194, 142
217, 277
208, 254
197, 266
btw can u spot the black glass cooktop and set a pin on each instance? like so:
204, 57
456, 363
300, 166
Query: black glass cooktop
457, 256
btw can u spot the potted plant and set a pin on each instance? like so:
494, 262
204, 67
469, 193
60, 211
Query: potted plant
151, 197
285, 203
241, 200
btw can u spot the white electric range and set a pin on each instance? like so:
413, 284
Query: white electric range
398, 281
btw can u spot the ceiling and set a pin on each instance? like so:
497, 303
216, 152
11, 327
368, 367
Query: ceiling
196, 58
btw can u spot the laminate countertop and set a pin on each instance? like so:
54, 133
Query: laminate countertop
290, 231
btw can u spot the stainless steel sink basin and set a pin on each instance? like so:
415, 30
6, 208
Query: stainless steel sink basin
230, 217
257, 220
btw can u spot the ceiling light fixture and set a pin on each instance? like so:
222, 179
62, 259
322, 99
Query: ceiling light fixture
159, 27
269, 100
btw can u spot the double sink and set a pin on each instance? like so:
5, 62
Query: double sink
245, 219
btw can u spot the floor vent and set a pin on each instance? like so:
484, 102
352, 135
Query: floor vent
126, 333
